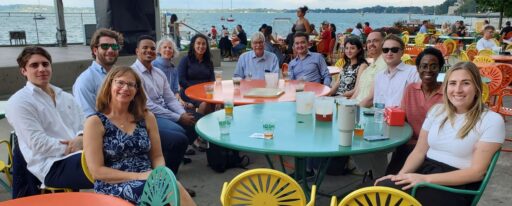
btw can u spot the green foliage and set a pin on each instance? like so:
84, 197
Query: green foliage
469, 6
495, 6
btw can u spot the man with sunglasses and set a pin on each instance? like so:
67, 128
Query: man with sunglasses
105, 46
389, 87
390, 83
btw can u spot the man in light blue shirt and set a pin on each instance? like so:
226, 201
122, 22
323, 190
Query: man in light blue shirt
105, 46
255, 63
309, 66
423, 28
174, 123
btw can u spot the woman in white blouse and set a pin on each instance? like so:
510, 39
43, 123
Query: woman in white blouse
456, 142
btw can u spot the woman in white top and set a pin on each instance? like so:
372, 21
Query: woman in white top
456, 142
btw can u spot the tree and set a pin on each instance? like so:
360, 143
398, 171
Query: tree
497, 6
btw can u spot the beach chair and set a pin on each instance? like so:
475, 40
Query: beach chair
377, 195
451, 46
85, 168
406, 59
420, 39
161, 188
405, 38
264, 187
463, 56
485, 52
5, 167
477, 193
495, 75
471, 52
483, 59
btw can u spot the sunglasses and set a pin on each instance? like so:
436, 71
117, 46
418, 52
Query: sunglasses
114, 47
393, 49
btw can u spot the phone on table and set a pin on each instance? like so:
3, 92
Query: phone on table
373, 138
369, 112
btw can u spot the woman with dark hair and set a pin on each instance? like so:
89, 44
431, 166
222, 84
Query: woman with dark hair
456, 143
418, 98
269, 45
302, 24
355, 64
195, 68
121, 141
332, 27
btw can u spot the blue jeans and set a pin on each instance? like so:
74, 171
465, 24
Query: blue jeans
174, 143
237, 50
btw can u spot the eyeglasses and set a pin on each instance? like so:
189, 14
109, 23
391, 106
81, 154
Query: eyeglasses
369, 41
114, 47
393, 49
431, 67
121, 84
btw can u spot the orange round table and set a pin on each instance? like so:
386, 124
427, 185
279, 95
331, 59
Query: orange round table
226, 90
502, 58
67, 198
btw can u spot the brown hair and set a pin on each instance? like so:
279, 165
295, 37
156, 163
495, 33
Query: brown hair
395, 38
95, 40
137, 106
476, 108
27, 52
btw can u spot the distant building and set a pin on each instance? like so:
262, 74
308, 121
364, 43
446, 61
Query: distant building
456, 5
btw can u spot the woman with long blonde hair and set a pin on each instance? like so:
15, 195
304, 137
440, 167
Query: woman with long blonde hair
456, 142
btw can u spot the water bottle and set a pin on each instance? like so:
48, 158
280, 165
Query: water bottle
379, 110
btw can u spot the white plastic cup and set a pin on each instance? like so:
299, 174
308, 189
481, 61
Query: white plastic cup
305, 102
345, 139
271, 80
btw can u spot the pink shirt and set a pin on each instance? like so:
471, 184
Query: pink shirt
416, 106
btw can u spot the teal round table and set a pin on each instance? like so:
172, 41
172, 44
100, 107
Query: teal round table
295, 135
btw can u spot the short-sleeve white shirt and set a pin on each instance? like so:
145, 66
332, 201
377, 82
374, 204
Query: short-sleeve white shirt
389, 87
446, 147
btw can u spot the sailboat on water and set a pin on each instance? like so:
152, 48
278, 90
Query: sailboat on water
230, 18
39, 16
222, 10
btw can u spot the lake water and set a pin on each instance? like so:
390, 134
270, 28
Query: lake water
46, 28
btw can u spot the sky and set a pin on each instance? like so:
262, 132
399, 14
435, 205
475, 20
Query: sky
275, 4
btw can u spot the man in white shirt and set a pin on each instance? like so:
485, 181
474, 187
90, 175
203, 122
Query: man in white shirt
389, 86
423, 28
487, 42
174, 123
391, 82
48, 123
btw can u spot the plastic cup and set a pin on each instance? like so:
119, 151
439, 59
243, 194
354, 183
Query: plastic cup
208, 89
268, 129
346, 139
228, 107
271, 80
224, 125
299, 87
218, 76
236, 82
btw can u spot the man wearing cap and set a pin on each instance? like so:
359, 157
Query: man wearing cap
323, 45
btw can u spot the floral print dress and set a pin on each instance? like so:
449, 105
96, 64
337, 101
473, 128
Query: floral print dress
125, 152
348, 76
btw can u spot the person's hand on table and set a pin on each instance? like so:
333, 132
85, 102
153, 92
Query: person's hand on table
408, 180
73, 145
187, 119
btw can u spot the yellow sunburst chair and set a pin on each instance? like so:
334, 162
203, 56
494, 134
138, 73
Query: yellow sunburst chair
264, 187
377, 195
